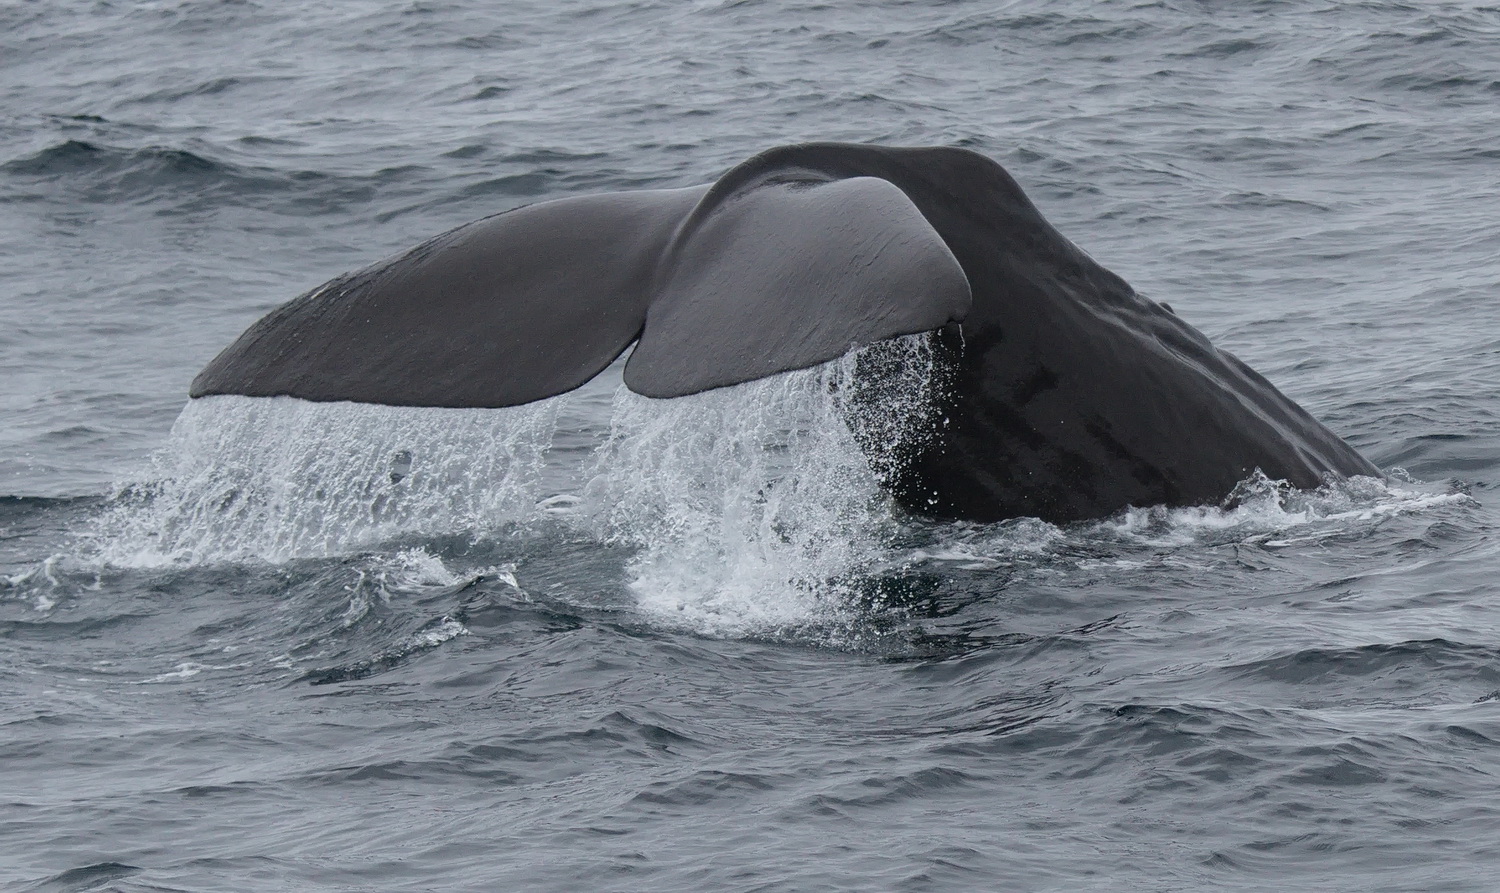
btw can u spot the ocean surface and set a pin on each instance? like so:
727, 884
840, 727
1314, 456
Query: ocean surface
609, 643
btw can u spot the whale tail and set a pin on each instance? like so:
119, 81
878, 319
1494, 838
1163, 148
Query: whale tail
774, 268
1066, 394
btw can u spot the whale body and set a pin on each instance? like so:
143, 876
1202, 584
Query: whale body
1066, 395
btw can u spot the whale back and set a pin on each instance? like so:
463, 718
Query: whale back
1070, 395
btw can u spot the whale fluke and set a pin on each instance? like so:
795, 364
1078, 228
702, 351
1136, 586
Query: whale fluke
719, 286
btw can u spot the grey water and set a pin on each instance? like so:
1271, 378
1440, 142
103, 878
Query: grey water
608, 643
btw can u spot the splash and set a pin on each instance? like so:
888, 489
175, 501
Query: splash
747, 508
408, 571
752, 506
39, 583
758, 509
272, 479
1262, 509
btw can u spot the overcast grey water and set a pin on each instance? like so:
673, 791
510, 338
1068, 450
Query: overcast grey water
609, 643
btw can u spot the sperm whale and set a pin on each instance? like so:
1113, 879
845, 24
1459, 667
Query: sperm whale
1067, 395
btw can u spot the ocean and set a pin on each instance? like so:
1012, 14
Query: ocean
603, 642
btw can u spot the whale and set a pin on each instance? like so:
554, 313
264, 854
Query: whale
1065, 396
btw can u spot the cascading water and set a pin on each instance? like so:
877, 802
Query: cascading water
749, 509
271, 479
746, 507
752, 505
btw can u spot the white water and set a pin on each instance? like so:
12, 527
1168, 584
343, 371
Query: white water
1260, 511
746, 506
272, 479
752, 505
746, 509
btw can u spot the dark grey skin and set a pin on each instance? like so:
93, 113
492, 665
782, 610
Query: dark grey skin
1067, 395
